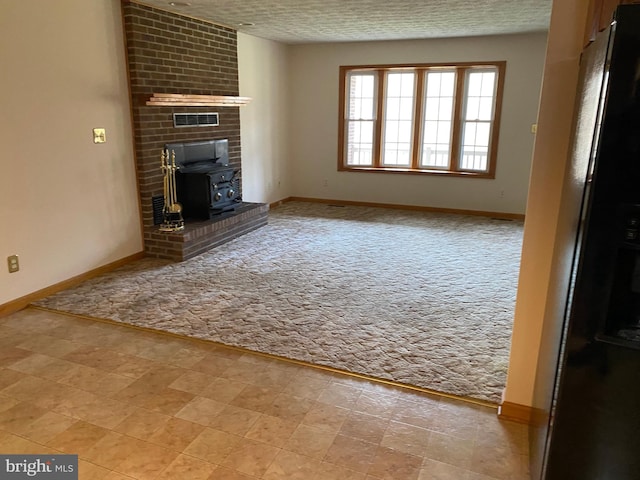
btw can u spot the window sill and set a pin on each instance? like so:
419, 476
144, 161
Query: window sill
412, 171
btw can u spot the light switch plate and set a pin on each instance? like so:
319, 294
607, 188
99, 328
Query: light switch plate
13, 264
99, 135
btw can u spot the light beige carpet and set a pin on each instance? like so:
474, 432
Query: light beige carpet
424, 299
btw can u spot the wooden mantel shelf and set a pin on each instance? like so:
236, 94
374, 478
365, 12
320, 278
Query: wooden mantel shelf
185, 100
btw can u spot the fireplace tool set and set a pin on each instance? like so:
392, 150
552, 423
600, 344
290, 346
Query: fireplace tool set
172, 210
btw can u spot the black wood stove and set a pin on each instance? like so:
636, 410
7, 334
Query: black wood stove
207, 186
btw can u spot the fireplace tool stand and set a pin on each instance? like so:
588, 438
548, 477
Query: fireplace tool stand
172, 210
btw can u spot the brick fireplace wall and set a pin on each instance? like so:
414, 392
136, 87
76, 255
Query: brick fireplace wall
169, 53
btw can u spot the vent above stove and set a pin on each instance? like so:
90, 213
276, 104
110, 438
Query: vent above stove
209, 119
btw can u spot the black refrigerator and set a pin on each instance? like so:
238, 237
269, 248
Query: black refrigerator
594, 431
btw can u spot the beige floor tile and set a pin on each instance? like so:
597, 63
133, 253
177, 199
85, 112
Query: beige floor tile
90, 471
137, 393
112, 449
418, 413
116, 476
9, 377
503, 434
225, 352
186, 467
160, 376
42, 393
351, 453
101, 411
78, 439
201, 410
147, 461
339, 395
78, 404
213, 446
326, 417
10, 338
213, 365
305, 387
251, 457
329, 471
168, 401
186, 357
253, 397
98, 381
244, 372
18, 418
310, 441
223, 473
97, 357
142, 423
32, 364
449, 449
271, 430
291, 466
11, 444
192, 382
406, 438
159, 352
290, 408
7, 402
48, 345
498, 463
374, 403
134, 367
273, 376
364, 427
235, 420
176, 434
455, 426
44, 428
433, 470
223, 390
391, 464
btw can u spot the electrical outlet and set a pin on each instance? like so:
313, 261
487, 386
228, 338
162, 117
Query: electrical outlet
13, 264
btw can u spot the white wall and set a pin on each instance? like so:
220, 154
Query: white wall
314, 129
263, 72
67, 205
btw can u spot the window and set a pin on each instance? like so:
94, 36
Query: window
431, 119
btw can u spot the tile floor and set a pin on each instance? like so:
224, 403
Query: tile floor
139, 405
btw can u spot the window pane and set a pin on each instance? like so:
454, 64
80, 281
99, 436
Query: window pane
488, 80
485, 108
360, 143
432, 108
475, 146
448, 84
446, 108
430, 134
444, 132
393, 109
473, 108
438, 114
361, 90
478, 119
398, 124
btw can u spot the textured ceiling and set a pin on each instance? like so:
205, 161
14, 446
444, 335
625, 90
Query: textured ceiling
309, 21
